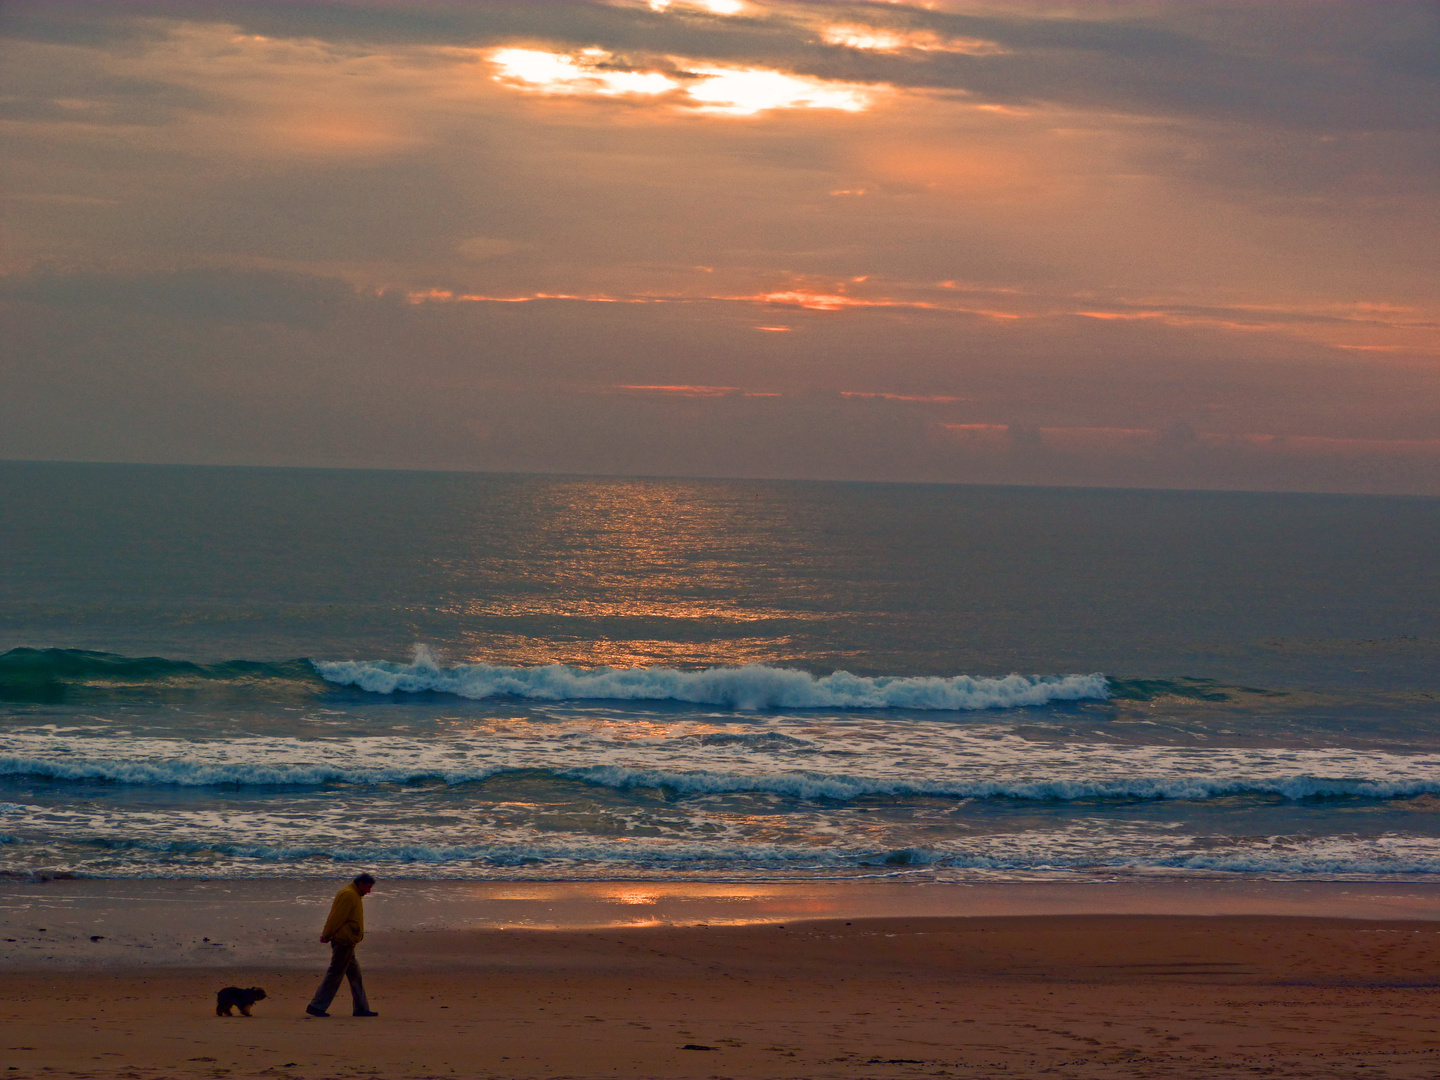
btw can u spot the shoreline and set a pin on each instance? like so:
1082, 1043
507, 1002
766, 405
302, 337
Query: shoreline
122, 923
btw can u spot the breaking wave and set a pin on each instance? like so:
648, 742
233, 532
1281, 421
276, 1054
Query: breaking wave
52, 676
750, 687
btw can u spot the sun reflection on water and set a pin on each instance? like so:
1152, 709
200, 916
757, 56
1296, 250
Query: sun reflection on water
626, 574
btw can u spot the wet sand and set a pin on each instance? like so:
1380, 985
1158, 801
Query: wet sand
981, 995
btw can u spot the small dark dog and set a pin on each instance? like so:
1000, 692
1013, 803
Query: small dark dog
231, 996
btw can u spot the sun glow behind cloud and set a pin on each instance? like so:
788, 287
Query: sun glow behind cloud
747, 91
717, 90
579, 74
712, 7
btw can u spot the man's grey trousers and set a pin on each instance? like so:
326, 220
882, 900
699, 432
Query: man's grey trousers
342, 965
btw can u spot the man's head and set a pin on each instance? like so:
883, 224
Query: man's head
364, 883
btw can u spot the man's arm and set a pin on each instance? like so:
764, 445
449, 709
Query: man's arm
342, 912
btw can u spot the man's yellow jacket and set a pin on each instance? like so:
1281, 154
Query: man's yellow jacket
346, 923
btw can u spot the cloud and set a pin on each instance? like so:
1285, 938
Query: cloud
587, 72
259, 367
724, 91
1340, 65
75, 96
1131, 242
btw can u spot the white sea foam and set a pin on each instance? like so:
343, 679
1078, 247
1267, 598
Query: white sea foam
752, 686
841, 786
179, 842
768, 794
869, 760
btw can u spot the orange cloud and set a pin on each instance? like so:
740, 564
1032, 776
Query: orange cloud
811, 300
1349, 326
445, 296
1351, 332
698, 391
1003, 110
808, 299
927, 399
1084, 441
684, 391
817, 301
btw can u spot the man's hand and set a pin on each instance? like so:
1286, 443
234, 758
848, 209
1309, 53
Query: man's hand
323, 939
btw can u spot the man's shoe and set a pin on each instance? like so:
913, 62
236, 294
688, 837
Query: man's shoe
313, 1011
365, 1012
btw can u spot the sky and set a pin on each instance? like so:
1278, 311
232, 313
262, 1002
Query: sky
1183, 244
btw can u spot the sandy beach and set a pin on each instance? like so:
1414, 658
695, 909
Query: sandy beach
1062, 994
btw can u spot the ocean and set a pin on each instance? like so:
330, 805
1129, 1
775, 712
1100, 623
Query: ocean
219, 673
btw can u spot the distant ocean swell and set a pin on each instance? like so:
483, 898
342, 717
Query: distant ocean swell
51, 675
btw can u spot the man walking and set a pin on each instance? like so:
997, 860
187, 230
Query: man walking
344, 929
